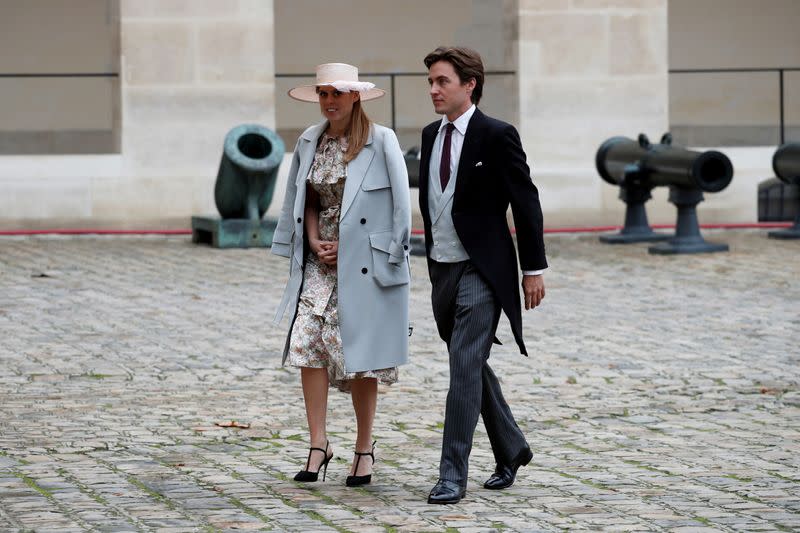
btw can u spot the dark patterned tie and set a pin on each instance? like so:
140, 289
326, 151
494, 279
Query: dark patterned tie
444, 166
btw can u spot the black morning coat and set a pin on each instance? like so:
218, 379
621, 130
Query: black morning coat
480, 202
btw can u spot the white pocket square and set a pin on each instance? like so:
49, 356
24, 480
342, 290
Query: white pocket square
479, 164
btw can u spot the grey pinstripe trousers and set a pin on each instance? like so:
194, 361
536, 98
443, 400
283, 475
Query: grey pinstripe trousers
467, 314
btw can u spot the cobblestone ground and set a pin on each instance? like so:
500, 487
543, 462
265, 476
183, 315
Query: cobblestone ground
661, 395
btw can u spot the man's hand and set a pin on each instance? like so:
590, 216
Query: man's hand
533, 289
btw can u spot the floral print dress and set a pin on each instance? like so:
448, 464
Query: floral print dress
315, 338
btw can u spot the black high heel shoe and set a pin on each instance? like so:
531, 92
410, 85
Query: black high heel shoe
306, 475
355, 481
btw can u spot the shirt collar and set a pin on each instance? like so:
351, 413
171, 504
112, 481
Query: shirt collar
461, 122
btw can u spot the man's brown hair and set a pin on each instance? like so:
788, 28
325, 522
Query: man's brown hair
466, 62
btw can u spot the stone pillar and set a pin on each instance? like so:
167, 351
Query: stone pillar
588, 70
190, 70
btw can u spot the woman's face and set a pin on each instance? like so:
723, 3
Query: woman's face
335, 105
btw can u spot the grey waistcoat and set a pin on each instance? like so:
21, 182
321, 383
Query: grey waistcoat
446, 247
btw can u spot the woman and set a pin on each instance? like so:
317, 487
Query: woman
345, 225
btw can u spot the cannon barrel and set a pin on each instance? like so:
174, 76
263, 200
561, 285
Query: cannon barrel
786, 163
662, 164
248, 171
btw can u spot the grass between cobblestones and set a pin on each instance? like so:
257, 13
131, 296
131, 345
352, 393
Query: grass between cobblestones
51, 498
30, 482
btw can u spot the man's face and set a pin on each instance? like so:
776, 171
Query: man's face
450, 97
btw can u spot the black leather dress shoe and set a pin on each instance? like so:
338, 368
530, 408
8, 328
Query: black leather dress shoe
504, 475
446, 492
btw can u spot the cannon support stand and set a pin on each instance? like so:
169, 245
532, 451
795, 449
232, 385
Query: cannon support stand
792, 232
637, 228
687, 239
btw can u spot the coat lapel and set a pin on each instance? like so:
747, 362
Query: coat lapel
424, 167
307, 147
444, 199
470, 152
310, 138
356, 170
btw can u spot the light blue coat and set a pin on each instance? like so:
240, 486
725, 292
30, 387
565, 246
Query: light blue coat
372, 266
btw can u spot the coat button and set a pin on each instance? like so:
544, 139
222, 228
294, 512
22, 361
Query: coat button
364, 270
299, 220
363, 220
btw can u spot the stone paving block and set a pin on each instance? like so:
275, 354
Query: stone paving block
661, 394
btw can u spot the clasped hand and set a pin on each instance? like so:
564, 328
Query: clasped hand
326, 251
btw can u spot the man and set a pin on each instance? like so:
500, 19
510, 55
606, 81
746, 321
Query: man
471, 168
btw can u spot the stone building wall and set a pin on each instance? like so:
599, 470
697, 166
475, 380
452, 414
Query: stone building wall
189, 71
589, 70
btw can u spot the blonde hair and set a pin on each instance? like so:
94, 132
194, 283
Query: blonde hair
357, 131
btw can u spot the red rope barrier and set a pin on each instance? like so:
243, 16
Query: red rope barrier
578, 229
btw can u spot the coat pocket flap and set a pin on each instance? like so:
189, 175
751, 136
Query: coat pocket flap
387, 274
381, 241
375, 180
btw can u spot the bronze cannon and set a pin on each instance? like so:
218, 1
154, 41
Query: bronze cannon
246, 178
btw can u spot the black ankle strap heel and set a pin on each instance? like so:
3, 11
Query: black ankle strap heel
355, 481
308, 476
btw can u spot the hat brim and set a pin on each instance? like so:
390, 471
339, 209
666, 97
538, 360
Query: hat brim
308, 93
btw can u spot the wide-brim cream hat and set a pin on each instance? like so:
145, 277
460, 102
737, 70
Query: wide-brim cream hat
341, 76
